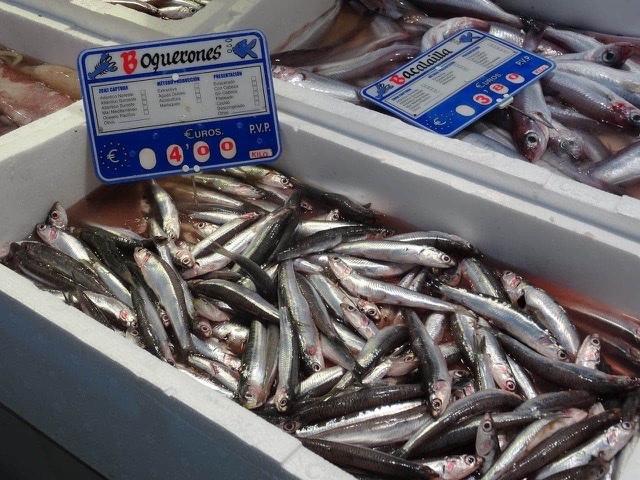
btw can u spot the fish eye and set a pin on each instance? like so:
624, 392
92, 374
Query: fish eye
626, 425
608, 56
283, 402
446, 258
595, 341
486, 426
289, 426
134, 332
470, 459
54, 215
511, 385
41, 227
562, 355
351, 308
531, 139
635, 118
436, 404
316, 367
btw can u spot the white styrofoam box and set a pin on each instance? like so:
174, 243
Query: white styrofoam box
614, 16
276, 18
49, 41
129, 415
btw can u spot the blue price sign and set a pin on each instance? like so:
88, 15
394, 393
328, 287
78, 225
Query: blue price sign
179, 105
458, 81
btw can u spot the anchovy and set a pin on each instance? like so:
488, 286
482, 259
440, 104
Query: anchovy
567, 374
487, 447
384, 292
589, 352
504, 317
433, 367
558, 443
479, 402
306, 331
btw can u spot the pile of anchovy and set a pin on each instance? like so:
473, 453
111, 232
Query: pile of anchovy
392, 355
165, 9
564, 123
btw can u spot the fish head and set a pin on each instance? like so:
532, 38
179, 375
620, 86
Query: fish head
439, 396
288, 74
277, 180
512, 284
127, 317
204, 229
615, 54
184, 256
171, 228
503, 376
333, 215
250, 215
571, 144
370, 309
251, 396
548, 347
282, 400
141, 256
532, 140
486, 436
629, 114
616, 437
340, 269
459, 466
57, 216
203, 327
47, 233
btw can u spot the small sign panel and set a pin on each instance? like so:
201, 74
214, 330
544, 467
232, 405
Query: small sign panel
458, 81
179, 105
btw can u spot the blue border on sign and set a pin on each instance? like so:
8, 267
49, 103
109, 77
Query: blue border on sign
268, 79
411, 120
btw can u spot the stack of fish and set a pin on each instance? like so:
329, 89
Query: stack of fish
165, 9
29, 90
397, 355
581, 121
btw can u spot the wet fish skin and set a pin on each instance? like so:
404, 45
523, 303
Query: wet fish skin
298, 307
328, 239
382, 292
621, 169
320, 383
482, 279
604, 447
381, 344
593, 99
239, 297
504, 316
561, 441
589, 352
396, 252
612, 55
449, 28
254, 367
433, 366
366, 459
487, 447
454, 467
593, 471
523, 380
567, 374
551, 315
349, 402
165, 284
166, 209
479, 402
484, 9
57, 216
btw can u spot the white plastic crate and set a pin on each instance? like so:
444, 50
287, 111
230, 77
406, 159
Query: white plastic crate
127, 414
276, 18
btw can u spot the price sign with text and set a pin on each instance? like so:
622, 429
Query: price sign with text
458, 81
179, 105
